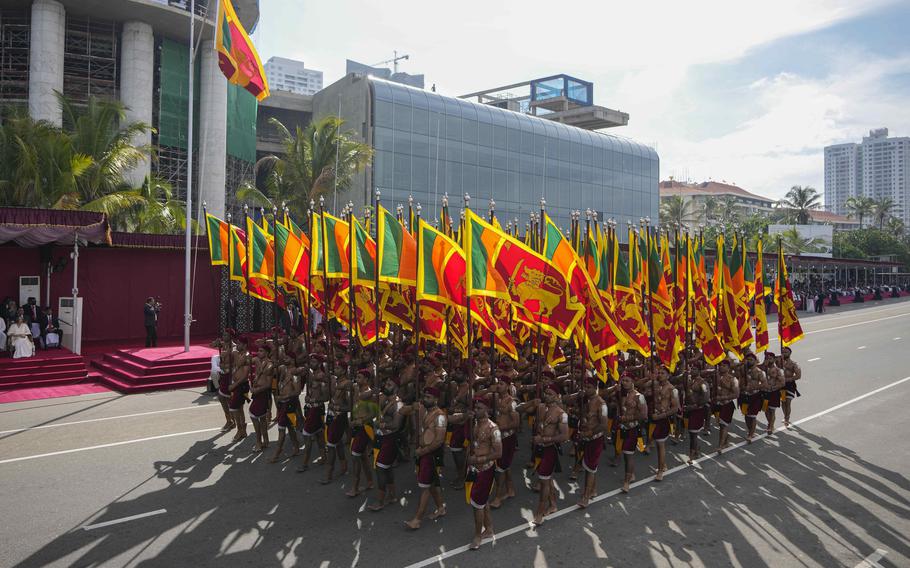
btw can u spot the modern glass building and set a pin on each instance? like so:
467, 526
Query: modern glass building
428, 145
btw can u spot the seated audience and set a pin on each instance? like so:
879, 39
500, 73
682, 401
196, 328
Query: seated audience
20, 339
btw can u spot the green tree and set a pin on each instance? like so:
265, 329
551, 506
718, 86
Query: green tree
794, 243
802, 200
882, 210
677, 210
150, 208
307, 169
896, 227
860, 207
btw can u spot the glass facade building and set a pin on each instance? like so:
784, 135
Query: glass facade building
427, 145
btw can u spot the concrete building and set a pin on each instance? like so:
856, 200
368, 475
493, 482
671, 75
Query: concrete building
428, 145
559, 98
878, 167
415, 81
137, 51
700, 193
292, 76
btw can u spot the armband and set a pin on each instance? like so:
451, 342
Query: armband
564, 418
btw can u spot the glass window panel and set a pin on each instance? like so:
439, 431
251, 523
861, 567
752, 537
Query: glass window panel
402, 172
485, 180
453, 128
514, 136
500, 137
401, 116
527, 140
419, 99
453, 178
382, 138
452, 150
469, 131
382, 91
421, 121
401, 141
422, 145
469, 182
485, 134
469, 153
420, 173
435, 103
382, 114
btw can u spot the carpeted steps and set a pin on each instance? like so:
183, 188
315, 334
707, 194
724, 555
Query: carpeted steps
132, 371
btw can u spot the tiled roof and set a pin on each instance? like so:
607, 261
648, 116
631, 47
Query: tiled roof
828, 217
672, 187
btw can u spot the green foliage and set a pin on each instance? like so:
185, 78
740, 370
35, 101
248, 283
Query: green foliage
83, 165
860, 208
871, 242
801, 200
307, 171
677, 210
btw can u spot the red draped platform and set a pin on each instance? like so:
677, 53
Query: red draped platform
117, 272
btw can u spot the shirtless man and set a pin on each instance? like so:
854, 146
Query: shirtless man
390, 422
317, 393
485, 449
337, 423
260, 390
727, 393
593, 423
363, 418
753, 388
697, 401
431, 439
459, 402
632, 411
792, 373
508, 420
666, 405
238, 388
776, 383
288, 405
552, 426
227, 360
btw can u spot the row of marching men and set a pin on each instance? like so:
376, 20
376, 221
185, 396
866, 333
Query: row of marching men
386, 405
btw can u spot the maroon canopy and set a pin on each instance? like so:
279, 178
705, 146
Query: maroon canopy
35, 227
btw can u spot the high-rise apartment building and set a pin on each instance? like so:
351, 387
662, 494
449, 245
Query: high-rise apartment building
878, 167
292, 76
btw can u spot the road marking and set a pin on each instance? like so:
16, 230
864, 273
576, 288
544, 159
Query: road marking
124, 519
103, 419
848, 325
861, 347
872, 560
111, 445
572, 508
897, 339
813, 359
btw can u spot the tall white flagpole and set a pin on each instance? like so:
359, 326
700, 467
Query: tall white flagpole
187, 316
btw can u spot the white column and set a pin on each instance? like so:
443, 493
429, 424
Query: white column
212, 132
137, 68
45, 66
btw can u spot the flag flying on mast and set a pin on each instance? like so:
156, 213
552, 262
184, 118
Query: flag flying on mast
237, 57
663, 319
219, 235
705, 337
761, 317
397, 251
788, 327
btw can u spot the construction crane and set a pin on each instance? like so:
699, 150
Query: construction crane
394, 61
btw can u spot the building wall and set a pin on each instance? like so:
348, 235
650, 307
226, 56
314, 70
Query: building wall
290, 75
427, 145
842, 176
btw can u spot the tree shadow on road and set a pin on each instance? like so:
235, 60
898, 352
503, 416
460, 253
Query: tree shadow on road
779, 501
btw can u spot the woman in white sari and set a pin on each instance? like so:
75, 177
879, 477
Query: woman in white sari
20, 337
2, 334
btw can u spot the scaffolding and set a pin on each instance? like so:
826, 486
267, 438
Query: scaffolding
15, 37
236, 173
90, 58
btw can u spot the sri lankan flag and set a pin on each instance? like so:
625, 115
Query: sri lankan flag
219, 234
441, 269
363, 255
627, 308
261, 258
238, 268
705, 337
788, 327
501, 266
737, 332
761, 318
397, 251
301, 274
289, 255
335, 236
663, 319
237, 56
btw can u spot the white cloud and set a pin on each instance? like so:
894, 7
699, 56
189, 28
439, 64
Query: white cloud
797, 117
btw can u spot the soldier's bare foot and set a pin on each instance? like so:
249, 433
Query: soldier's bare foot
488, 533
475, 544
440, 512
625, 487
376, 507
276, 458
227, 427
353, 492
303, 468
538, 520
413, 524
583, 503
552, 509
496, 503
659, 476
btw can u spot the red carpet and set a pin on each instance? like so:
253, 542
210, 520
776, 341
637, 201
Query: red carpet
139, 369
20, 394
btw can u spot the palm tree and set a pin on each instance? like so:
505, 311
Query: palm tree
882, 210
860, 207
896, 226
802, 200
147, 209
98, 131
794, 243
677, 210
728, 212
307, 170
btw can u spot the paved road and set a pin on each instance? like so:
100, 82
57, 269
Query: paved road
832, 491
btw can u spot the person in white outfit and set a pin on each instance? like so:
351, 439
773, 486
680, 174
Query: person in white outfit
21, 341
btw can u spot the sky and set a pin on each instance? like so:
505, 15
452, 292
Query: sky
748, 93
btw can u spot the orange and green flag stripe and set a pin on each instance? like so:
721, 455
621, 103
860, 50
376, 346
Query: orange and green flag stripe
482, 242
335, 246
219, 235
237, 57
441, 270
397, 251
363, 256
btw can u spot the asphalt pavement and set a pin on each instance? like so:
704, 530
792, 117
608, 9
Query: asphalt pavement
114, 480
